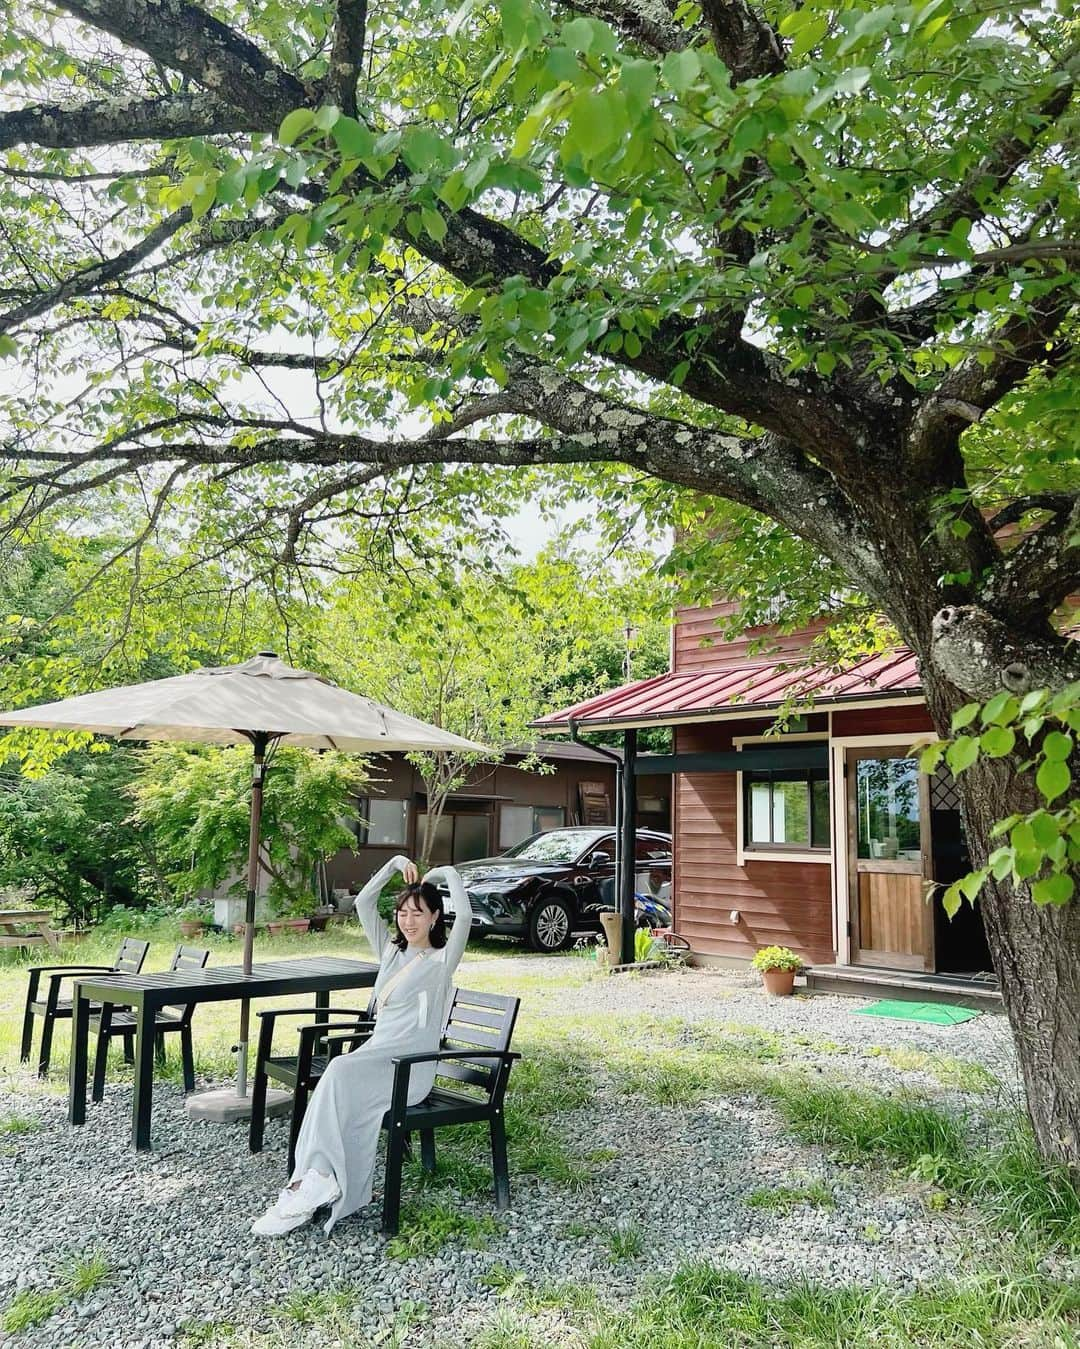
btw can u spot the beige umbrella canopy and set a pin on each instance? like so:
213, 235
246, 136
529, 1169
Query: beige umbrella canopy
264, 702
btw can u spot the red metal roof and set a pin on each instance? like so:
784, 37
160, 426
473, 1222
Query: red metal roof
678, 697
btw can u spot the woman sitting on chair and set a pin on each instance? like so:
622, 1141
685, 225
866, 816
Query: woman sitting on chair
335, 1152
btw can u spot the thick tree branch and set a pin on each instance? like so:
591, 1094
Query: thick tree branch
184, 37
114, 121
1039, 574
347, 56
646, 22
744, 40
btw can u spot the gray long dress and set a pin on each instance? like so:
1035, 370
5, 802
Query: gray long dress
340, 1132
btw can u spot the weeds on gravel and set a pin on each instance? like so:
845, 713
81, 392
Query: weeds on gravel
207, 1335
30, 1307
950, 1072
18, 1124
320, 1305
1012, 1183
784, 1198
625, 1241
860, 1123
702, 1306
427, 1227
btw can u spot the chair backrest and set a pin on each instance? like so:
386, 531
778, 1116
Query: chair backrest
130, 957
187, 959
478, 1021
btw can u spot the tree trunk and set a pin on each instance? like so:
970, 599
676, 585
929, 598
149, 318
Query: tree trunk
1035, 949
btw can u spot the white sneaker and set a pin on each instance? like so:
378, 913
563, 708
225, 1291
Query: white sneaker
275, 1224
314, 1191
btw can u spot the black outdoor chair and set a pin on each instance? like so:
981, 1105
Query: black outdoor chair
474, 1055
111, 1023
299, 1072
53, 1008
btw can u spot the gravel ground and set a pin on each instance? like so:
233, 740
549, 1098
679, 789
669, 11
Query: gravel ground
173, 1224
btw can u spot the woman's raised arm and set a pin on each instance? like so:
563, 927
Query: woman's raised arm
367, 904
459, 933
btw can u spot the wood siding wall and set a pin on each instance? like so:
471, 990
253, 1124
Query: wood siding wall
699, 644
786, 903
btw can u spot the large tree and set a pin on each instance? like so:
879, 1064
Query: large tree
812, 259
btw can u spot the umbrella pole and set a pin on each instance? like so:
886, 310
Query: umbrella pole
260, 740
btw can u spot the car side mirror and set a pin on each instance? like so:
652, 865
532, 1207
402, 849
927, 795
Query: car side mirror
600, 859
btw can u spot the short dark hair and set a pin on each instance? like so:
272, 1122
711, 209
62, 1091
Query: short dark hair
425, 891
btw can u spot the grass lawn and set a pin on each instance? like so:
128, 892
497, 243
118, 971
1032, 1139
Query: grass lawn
814, 1088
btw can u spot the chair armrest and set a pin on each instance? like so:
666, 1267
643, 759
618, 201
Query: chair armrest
70, 969
310, 1011
360, 1027
508, 1054
335, 1044
403, 1068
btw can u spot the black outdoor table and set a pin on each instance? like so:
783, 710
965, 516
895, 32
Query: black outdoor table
149, 993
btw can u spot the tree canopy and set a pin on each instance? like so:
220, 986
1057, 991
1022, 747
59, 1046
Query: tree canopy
311, 282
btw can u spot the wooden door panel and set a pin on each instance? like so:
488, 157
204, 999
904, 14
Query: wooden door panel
891, 913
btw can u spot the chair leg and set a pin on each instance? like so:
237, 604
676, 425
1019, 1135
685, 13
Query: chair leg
101, 1055
159, 1049
391, 1208
257, 1127
427, 1150
299, 1110
45, 1050
27, 1032
187, 1058
129, 1049
498, 1161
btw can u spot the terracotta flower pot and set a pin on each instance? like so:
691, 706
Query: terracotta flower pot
191, 927
779, 983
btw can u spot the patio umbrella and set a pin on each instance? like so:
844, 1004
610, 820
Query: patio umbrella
263, 702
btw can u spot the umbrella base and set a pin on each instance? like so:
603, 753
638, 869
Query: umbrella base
224, 1106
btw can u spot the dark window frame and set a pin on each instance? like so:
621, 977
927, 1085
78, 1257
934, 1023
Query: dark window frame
363, 827
755, 776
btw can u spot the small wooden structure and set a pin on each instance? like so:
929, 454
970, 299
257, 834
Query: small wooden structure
26, 927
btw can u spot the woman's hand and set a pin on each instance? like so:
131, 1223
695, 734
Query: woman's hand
409, 872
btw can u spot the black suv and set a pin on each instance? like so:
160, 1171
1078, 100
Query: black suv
555, 883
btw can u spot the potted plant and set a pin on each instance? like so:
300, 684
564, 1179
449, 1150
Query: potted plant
193, 921
778, 966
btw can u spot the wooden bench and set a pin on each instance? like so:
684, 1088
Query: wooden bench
38, 921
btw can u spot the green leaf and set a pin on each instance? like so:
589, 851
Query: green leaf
295, 124
1053, 778
962, 753
434, 224
1055, 889
681, 70
931, 756
8, 346
809, 35
352, 139
1057, 746
1000, 710
952, 899
230, 186
997, 741
964, 716
578, 35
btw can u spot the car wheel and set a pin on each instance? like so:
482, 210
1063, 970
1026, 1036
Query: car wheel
550, 925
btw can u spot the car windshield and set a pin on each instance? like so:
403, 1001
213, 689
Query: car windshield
557, 846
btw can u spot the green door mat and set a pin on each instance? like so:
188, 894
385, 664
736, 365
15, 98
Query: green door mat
941, 1013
